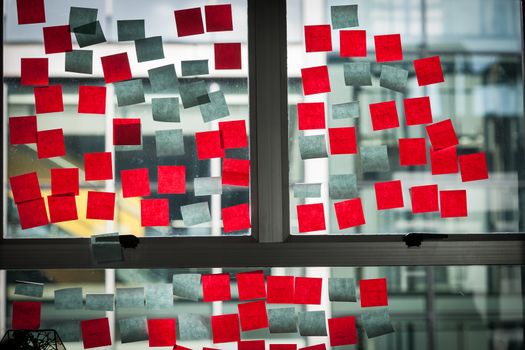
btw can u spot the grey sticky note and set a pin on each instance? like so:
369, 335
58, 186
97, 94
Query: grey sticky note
216, 108
342, 186
193, 327
69, 299
84, 39
377, 322
307, 190
312, 323
282, 320
194, 67
80, 16
100, 302
163, 78
129, 92
345, 110
193, 93
166, 109
128, 148
344, 16
133, 329
169, 143
130, 297
374, 158
159, 296
149, 49
79, 61
206, 186
312, 146
29, 289
194, 214
105, 252
187, 286
69, 331
393, 78
129, 30
357, 74
341, 289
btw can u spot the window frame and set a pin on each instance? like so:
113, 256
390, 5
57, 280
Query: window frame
270, 243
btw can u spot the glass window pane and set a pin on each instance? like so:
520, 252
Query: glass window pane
166, 115
482, 94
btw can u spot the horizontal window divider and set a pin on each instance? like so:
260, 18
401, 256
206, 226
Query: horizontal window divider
246, 252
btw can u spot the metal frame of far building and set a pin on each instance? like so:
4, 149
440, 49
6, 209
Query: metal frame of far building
271, 243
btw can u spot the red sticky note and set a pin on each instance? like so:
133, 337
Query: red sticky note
30, 11
349, 213
342, 331
32, 213
253, 315
95, 333
209, 145
135, 182
251, 285
412, 151
236, 218
189, 21
162, 332
225, 328
417, 110
64, 181
307, 290
315, 80
100, 205
25, 187
389, 195
251, 344
424, 199
315, 347
453, 203
442, 134
373, 292
310, 217
352, 43
62, 208
311, 115
126, 131
236, 172
57, 39
98, 166
342, 140
233, 134
280, 289
22, 130
473, 167
154, 212
116, 67
218, 18
428, 71
283, 346
171, 179
216, 287
227, 55
388, 48
92, 99
26, 315
50, 143
318, 38
34, 71
444, 161
384, 115
48, 99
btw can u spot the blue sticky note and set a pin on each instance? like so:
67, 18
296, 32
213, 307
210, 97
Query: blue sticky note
282, 320
133, 329
187, 286
68, 330
312, 147
129, 30
374, 158
377, 322
69, 299
129, 92
79, 61
130, 297
216, 108
344, 16
312, 323
393, 78
345, 110
100, 302
343, 186
193, 93
302, 190
163, 78
166, 109
357, 74
149, 49
87, 39
194, 67
341, 289
169, 143
194, 214
29, 289
193, 327
159, 296
80, 16
207, 186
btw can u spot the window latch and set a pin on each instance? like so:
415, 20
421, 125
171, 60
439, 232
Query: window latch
414, 239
